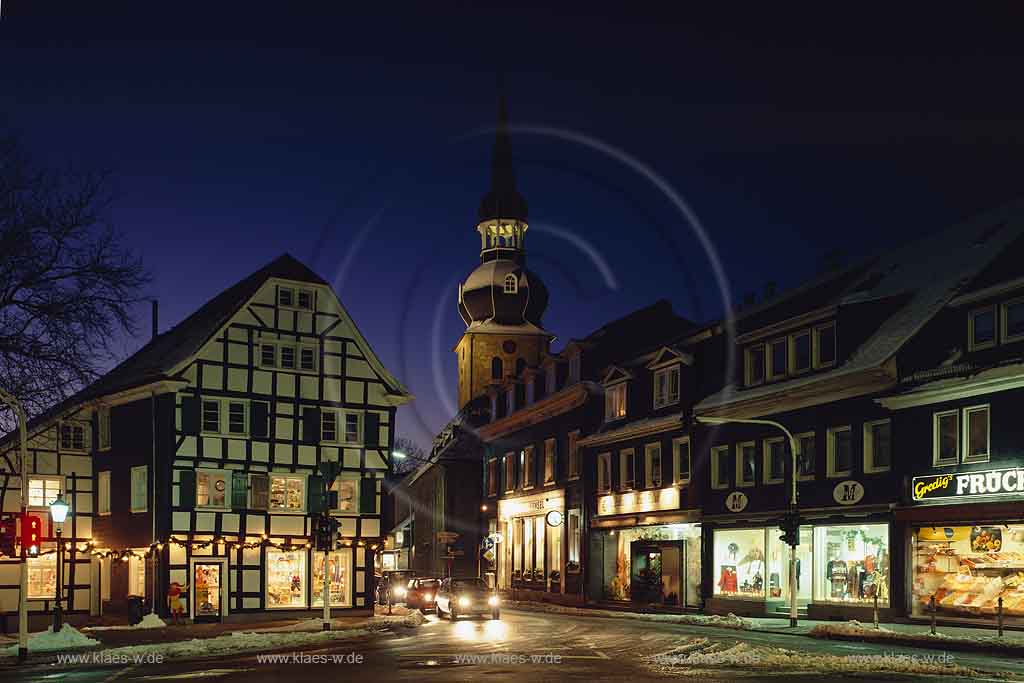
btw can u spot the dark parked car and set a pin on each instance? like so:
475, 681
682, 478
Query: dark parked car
421, 592
465, 597
391, 586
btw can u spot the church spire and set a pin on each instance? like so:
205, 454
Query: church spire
503, 201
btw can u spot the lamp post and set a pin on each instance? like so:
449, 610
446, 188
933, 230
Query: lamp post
794, 447
58, 513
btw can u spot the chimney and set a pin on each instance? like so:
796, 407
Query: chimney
156, 323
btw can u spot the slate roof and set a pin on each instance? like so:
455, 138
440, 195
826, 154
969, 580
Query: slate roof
924, 275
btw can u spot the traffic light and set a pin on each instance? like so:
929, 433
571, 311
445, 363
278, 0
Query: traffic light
31, 535
790, 526
325, 531
8, 534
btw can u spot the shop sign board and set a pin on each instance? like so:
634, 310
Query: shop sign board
983, 484
736, 501
849, 492
639, 501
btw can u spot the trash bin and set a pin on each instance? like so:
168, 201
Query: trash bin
134, 609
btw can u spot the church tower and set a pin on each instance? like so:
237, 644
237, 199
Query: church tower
501, 301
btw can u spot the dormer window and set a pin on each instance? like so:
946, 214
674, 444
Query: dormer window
825, 345
511, 284
666, 387
754, 365
981, 328
1013, 320
615, 402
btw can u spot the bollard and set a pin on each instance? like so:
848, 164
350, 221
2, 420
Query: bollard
876, 610
999, 615
931, 606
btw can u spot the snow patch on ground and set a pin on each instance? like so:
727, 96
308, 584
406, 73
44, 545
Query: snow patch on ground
410, 620
728, 621
68, 638
867, 632
151, 620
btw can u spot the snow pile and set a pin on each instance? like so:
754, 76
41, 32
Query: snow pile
411, 620
855, 630
729, 621
376, 623
850, 628
151, 620
68, 638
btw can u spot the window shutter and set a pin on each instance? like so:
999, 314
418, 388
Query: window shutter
190, 415
316, 495
239, 490
311, 425
368, 496
371, 429
258, 423
187, 489
260, 491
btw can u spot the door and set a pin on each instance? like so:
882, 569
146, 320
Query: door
207, 583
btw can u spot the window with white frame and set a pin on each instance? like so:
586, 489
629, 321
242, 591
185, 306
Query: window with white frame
877, 446
806, 463
681, 460
754, 365
286, 356
510, 472
140, 489
347, 487
1012, 318
527, 466
824, 345
746, 463
103, 493
287, 493
652, 466
492, 477
307, 358
211, 416
573, 454
213, 488
238, 418
720, 476
42, 576
615, 402
286, 296
604, 472
574, 523
511, 284
627, 469
777, 358
268, 355
103, 420
574, 368
44, 490
840, 451
976, 434
304, 299
549, 461
73, 437
981, 328
946, 440
341, 426
774, 460
666, 386
290, 297
800, 352
136, 575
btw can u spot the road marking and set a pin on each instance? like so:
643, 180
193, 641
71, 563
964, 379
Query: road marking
193, 674
599, 655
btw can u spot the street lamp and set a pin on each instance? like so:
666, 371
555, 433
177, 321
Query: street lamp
58, 513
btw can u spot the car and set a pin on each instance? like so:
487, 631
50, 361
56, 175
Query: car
420, 593
466, 597
391, 586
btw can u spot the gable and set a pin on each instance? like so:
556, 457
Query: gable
615, 375
666, 356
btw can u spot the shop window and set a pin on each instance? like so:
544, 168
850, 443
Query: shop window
287, 493
492, 477
549, 461
42, 576
976, 437
852, 563
720, 474
681, 460
877, 446
746, 464
539, 528
528, 467
1013, 321
528, 547
739, 569
840, 452
73, 437
136, 575
754, 365
553, 554
777, 358
212, 488
825, 345
946, 441
774, 460
604, 472
800, 352
574, 524
44, 490
339, 576
574, 454
615, 402
103, 493
652, 465
140, 489
510, 472
286, 578
666, 387
347, 487
942, 557
981, 328
808, 455
627, 469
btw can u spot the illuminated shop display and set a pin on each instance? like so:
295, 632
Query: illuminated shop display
968, 568
740, 569
852, 563
286, 578
339, 571
652, 564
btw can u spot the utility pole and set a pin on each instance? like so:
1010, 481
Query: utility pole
792, 514
15, 405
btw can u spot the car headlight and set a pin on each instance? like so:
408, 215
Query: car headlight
463, 601
493, 601
428, 596
400, 592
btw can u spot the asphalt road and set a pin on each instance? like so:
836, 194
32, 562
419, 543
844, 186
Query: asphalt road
528, 646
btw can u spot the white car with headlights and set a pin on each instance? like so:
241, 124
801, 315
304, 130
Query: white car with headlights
466, 597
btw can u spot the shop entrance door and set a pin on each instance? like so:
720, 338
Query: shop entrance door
206, 584
656, 572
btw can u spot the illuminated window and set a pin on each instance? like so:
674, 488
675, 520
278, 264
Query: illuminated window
666, 387
347, 487
286, 578
44, 490
42, 576
136, 575
287, 493
339, 573
212, 488
549, 461
615, 402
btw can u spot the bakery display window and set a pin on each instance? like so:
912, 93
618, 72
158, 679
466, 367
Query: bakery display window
851, 563
286, 578
967, 569
740, 569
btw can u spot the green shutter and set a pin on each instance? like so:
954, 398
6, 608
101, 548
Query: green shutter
258, 422
316, 495
239, 490
260, 491
187, 489
189, 415
371, 429
311, 426
368, 496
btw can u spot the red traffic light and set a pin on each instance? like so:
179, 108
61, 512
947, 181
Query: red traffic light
31, 535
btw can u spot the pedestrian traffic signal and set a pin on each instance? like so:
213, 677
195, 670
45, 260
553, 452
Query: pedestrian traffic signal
31, 535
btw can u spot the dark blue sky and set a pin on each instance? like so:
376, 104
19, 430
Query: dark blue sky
353, 140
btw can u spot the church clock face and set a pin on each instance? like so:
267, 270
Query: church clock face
509, 346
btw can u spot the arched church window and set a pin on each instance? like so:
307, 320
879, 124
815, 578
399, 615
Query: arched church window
511, 284
497, 372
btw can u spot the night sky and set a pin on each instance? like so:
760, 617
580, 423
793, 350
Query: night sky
360, 144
